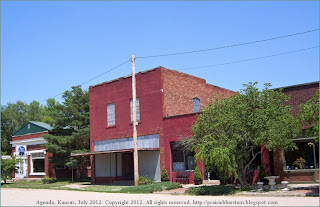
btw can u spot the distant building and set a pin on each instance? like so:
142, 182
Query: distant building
167, 104
27, 145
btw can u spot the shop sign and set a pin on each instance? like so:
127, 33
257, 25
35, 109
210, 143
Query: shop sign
21, 150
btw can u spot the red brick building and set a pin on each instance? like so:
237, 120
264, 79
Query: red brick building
167, 104
308, 149
27, 145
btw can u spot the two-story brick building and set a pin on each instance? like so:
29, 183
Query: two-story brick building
167, 104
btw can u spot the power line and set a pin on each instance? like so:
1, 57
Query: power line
105, 72
257, 58
93, 78
229, 46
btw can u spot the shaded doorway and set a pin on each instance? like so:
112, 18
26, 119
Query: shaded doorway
127, 166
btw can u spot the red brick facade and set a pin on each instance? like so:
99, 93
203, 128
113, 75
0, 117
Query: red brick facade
180, 89
298, 94
166, 108
50, 170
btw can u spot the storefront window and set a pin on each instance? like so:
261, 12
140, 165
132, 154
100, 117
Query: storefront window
37, 161
182, 160
305, 157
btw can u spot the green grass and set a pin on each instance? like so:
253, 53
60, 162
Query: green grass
213, 190
150, 188
61, 185
103, 188
34, 184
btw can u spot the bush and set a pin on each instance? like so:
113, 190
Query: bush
144, 180
212, 190
164, 175
150, 188
47, 180
197, 174
263, 173
245, 188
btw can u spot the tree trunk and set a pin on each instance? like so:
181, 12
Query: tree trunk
243, 180
72, 175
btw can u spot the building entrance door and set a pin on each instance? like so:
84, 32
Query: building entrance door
127, 166
22, 171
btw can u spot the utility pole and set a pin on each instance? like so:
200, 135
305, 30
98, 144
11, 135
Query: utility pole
134, 119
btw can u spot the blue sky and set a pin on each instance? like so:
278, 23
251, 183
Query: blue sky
47, 46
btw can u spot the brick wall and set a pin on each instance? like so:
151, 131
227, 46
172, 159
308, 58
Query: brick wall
120, 92
174, 129
29, 136
180, 89
299, 95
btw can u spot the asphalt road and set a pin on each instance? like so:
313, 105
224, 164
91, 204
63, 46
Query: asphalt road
32, 197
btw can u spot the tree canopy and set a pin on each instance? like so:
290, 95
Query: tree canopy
13, 116
229, 130
309, 116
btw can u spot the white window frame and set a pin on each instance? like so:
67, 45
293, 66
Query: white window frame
137, 109
31, 162
111, 114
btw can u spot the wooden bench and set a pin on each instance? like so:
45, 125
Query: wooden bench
182, 177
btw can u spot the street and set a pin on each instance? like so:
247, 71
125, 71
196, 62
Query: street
37, 197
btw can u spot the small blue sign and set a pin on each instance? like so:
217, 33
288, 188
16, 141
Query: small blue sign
21, 150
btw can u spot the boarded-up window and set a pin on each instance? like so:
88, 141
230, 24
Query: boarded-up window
111, 114
137, 109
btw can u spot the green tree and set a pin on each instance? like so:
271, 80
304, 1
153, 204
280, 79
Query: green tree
50, 111
71, 130
8, 167
13, 116
229, 130
309, 116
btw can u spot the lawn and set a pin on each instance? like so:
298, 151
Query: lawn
86, 186
213, 190
34, 184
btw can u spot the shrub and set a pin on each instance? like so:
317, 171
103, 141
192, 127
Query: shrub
263, 173
244, 188
212, 190
150, 188
47, 180
197, 174
164, 175
144, 180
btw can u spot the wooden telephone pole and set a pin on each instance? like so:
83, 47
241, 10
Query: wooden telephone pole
134, 119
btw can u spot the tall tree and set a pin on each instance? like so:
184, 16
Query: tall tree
309, 116
71, 126
13, 116
229, 130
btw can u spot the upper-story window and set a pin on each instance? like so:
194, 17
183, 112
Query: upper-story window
196, 105
137, 109
111, 114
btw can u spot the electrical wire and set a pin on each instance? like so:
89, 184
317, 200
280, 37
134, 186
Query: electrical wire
93, 78
228, 46
251, 59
